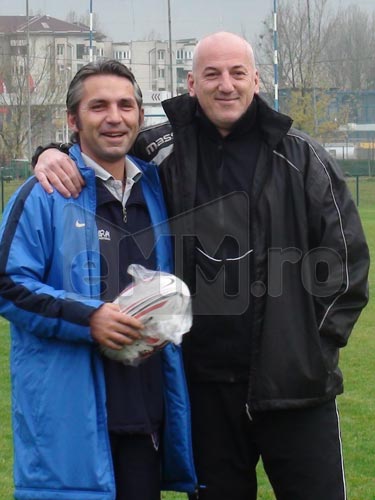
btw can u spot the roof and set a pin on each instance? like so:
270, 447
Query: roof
39, 24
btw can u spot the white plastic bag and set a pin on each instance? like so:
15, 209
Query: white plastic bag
162, 302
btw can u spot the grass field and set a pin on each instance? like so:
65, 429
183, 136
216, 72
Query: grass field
356, 405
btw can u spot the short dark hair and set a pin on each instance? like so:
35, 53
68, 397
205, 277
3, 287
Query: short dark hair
100, 67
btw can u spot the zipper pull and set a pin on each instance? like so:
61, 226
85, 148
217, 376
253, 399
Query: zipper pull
248, 413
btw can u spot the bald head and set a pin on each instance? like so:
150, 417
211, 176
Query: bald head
224, 78
222, 39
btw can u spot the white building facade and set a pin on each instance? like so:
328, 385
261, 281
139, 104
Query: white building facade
38, 78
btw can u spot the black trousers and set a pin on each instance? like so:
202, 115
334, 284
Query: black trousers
300, 449
136, 466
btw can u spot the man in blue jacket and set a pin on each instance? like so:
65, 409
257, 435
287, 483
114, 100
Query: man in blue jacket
86, 427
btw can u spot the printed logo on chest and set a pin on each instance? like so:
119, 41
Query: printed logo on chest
104, 234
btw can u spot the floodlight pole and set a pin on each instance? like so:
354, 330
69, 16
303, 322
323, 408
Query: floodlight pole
170, 46
28, 82
312, 66
91, 57
275, 57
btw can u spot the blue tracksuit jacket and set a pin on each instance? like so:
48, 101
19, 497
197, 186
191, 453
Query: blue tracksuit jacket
49, 287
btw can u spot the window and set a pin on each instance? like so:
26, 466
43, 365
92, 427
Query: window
181, 76
60, 135
184, 54
80, 50
18, 70
122, 54
60, 49
18, 50
161, 55
161, 73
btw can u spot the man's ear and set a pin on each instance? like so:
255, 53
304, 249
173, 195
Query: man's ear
256, 83
190, 84
72, 121
141, 116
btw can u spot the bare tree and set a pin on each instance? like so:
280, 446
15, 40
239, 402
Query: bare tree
84, 19
350, 51
46, 92
152, 35
319, 48
302, 34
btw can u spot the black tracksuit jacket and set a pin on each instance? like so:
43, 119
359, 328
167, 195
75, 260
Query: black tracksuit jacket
310, 258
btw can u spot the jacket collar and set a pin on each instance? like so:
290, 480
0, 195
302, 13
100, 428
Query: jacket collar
146, 169
244, 125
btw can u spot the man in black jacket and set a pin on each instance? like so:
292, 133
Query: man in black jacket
269, 240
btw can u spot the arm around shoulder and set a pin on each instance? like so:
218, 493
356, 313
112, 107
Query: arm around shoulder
55, 169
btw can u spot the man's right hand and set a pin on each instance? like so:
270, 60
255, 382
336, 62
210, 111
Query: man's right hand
114, 329
55, 169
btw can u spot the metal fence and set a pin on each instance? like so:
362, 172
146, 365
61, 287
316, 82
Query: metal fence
357, 172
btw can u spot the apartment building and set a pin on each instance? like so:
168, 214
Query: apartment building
159, 72
155, 68
35, 81
55, 46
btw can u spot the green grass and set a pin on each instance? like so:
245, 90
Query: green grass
5, 427
356, 405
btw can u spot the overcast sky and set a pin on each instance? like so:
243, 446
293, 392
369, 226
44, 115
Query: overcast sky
125, 20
